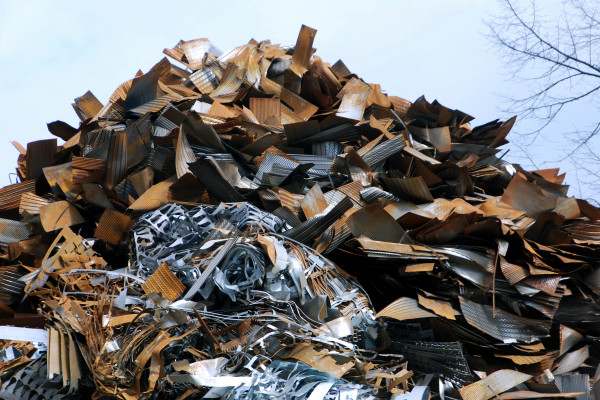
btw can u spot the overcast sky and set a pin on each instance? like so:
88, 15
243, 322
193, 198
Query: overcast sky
54, 51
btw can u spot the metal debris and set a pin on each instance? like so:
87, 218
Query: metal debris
258, 223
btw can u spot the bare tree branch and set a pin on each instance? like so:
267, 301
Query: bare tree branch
557, 60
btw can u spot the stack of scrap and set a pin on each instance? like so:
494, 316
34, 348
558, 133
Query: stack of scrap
262, 224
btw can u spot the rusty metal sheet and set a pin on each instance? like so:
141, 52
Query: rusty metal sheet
314, 202
112, 226
87, 170
157, 195
10, 196
266, 110
568, 338
299, 106
87, 106
404, 308
183, 154
375, 223
39, 154
31, 203
164, 281
440, 307
58, 215
493, 385
412, 189
528, 197
353, 106
438, 137
13, 231
303, 51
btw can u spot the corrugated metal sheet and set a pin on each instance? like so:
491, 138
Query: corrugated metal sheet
571, 361
112, 226
512, 272
288, 216
195, 50
569, 337
60, 178
39, 154
121, 92
340, 133
164, 281
218, 187
259, 146
232, 80
116, 169
31, 203
220, 111
309, 230
340, 70
269, 162
400, 105
314, 202
155, 197
501, 324
440, 307
412, 189
375, 223
291, 201
547, 284
301, 130
438, 137
404, 308
527, 196
383, 151
372, 195
353, 106
303, 50
524, 360
288, 116
266, 110
10, 196
88, 169
87, 106
156, 104
12, 231
139, 141
493, 385
320, 166
176, 52
183, 155
327, 149
58, 215
301, 107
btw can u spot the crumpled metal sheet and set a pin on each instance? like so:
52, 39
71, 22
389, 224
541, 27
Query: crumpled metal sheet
298, 380
172, 234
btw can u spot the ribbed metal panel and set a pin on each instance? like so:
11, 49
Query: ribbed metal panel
10, 196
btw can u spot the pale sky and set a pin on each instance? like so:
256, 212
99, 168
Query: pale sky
54, 51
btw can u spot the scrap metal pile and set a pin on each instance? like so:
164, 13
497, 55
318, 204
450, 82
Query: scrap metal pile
261, 224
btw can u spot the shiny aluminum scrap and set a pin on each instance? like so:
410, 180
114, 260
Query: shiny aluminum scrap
258, 223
